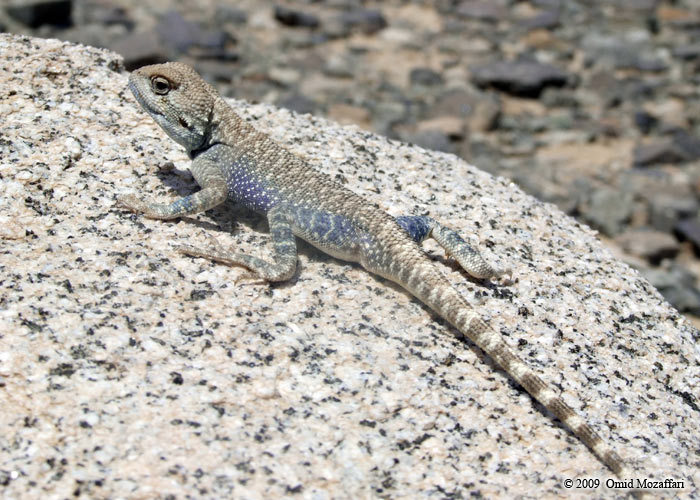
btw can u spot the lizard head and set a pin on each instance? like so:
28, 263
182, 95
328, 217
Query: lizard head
178, 100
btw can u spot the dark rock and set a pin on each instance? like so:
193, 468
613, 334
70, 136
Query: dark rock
645, 122
213, 39
611, 90
228, 14
547, 20
431, 139
554, 97
295, 18
141, 48
547, 4
521, 78
178, 33
363, 20
453, 102
101, 13
687, 143
680, 147
481, 109
217, 70
664, 151
644, 62
686, 52
677, 285
648, 244
92, 34
298, 103
484, 11
665, 210
35, 14
635, 5
340, 66
617, 52
608, 210
689, 230
183, 36
425, 76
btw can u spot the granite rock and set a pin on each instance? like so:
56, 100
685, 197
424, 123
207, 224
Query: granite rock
129, 371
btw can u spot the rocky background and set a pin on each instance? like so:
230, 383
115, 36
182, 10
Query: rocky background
591, 105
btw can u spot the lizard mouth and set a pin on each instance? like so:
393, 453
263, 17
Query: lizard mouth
134, 87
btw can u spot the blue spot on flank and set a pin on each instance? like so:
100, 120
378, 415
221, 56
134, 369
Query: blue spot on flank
417, 226
247, 188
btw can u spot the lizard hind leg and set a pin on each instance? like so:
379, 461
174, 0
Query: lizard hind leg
420, 227
284, 248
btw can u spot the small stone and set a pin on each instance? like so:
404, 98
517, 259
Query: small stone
677, 285
645, 122
298, 103
346, 114
366, 21
674, 15
451, 126
102, 13
484, 11
649, 244
425, 76
547, 20
284, 76
455, 102
679, 148
689, 229
657, 152
665, 210
141, 48
521, 78
339, 66
686, 52
295, 18
228, 14
688, 144
608, 210
431, 139
176, 32
485, 116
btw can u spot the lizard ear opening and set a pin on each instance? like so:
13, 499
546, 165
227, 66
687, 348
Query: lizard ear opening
183, 123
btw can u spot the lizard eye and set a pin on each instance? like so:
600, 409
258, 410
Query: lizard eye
160, 85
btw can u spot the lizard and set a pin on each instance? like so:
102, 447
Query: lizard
233, 160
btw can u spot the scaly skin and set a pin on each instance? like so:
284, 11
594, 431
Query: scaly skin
230, 159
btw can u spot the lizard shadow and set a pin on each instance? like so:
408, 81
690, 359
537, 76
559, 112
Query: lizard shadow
225, 217
500, 291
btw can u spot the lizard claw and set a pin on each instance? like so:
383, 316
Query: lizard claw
249, 278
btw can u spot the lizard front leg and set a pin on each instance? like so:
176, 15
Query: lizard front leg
284, 247
213, 193
420, 227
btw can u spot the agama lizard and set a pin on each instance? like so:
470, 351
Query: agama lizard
230, 159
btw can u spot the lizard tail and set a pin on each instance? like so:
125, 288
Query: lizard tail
427, 284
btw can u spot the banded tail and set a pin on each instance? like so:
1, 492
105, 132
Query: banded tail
424, 281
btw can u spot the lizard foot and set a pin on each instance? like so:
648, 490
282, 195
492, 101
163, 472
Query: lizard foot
132, 203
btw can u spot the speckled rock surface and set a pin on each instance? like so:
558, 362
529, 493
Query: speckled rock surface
127, 370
